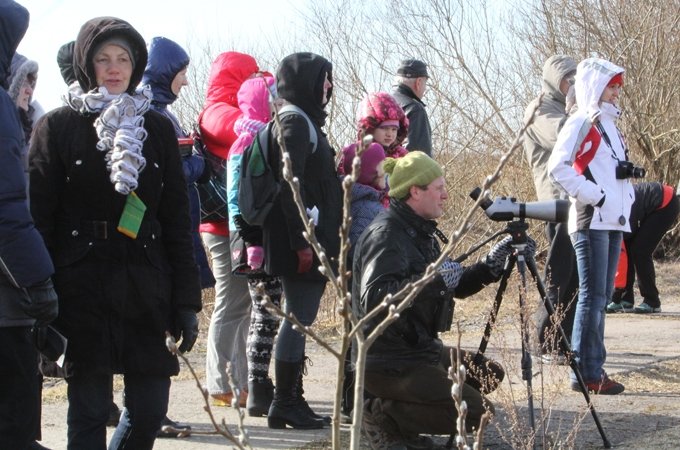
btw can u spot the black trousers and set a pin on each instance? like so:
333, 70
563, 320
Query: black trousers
561, 281
418, 400
20, 386
640, 247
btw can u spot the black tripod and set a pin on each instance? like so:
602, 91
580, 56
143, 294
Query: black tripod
517, 230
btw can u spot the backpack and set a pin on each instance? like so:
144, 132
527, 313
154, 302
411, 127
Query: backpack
259, 183
212, 193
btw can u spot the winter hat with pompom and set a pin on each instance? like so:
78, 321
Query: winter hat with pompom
414, 169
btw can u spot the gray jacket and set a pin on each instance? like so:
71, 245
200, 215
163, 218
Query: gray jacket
542, 133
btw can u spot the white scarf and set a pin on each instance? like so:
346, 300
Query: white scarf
120, 128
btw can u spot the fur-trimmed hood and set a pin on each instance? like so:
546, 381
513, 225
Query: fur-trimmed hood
21, 69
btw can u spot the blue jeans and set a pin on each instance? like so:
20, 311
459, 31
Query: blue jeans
89, 396
597, 255
302, 299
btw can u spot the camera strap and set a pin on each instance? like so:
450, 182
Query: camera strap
605, 136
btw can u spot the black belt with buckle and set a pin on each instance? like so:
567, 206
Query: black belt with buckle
102, 229
99, 229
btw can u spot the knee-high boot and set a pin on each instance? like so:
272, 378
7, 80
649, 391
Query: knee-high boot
301, 391
289, 408
263, 329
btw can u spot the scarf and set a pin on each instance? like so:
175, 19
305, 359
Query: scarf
246, 130
120, 128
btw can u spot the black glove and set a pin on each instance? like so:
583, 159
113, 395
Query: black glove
496, 257
186, 328
40, 302
49, 342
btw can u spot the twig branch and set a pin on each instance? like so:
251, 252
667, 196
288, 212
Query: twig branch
240, 441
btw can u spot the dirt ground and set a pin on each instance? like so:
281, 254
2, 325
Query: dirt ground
643, 352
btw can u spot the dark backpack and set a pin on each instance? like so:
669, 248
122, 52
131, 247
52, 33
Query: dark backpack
213, 193
259, 183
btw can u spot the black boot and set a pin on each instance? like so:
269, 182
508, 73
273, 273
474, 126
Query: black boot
260, 396
300, 391
288, 408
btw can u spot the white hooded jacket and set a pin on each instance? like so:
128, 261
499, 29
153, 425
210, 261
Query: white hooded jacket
584, 164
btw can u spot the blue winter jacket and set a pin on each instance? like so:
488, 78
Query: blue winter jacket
166, 60
24, 260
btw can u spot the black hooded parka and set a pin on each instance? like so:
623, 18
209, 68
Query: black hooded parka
300, 81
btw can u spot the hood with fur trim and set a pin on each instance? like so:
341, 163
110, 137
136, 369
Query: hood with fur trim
92, 34
22, 69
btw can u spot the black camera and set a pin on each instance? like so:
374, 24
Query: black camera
626, 169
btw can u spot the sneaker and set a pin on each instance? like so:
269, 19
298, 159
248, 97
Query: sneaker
172, 429
606, 386
228, 398
644, 308
622, 307
377, 437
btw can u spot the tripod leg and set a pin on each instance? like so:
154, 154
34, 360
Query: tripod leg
526, 353
566, 349
507, 270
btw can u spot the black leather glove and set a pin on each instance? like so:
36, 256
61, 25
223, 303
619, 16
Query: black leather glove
186, 328
49, 342
40, 302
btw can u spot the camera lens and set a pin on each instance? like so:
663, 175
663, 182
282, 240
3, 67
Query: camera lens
639, 172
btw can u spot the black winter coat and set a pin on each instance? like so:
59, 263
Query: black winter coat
117, 295
320, 187
300, 80
394, 250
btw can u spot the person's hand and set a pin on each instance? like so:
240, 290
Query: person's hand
498, 254
451, 272
305, 258
41, 303
255, 257
186, 328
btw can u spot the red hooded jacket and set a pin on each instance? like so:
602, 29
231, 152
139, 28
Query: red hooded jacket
220, 111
